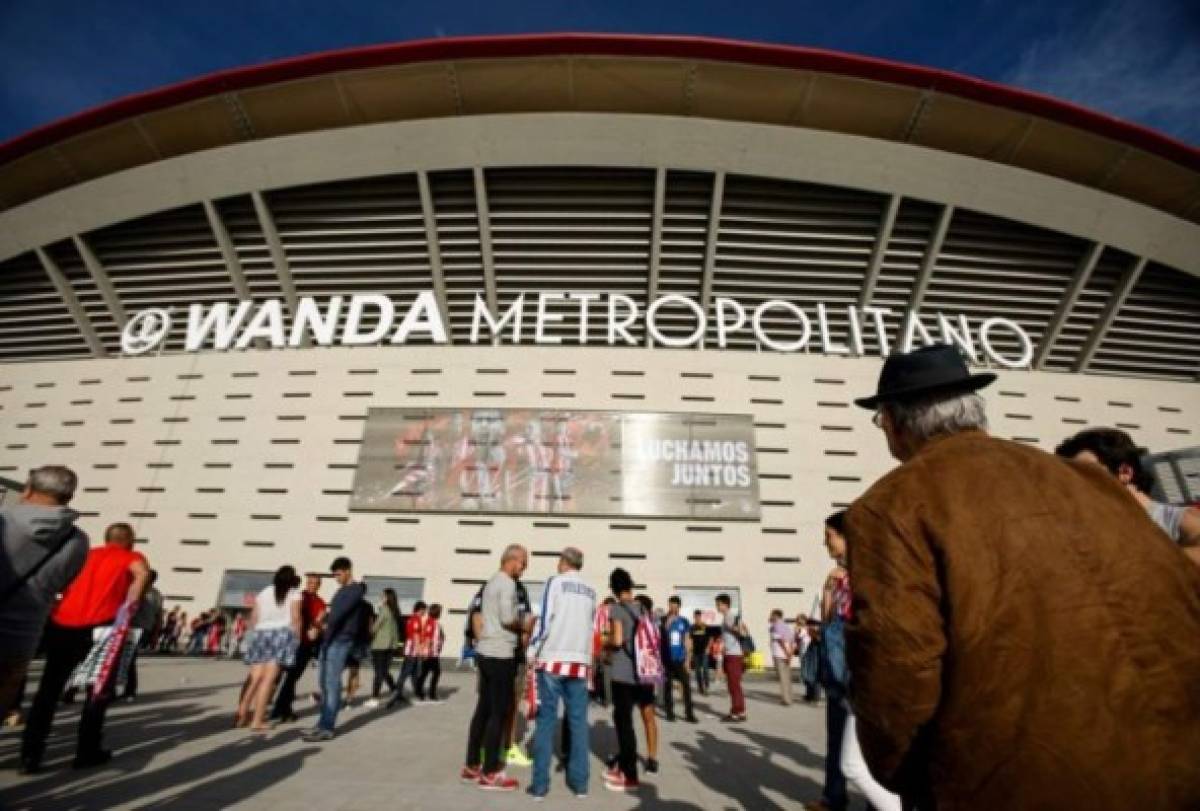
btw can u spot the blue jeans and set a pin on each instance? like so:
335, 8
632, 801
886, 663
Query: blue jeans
333, 662
574, 695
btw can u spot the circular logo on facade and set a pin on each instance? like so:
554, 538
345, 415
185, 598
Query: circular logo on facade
145, 331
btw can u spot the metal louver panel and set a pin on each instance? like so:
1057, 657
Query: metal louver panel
65, 255
794, 241
168, 260
34, 321
910, 240
1156, 331
686, 204
989, 267
458, 238
355, 236
240, 220
1087, 310
582, 229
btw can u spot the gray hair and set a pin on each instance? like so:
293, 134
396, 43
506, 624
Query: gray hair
56, 481
511, 551
922, 420
573, 557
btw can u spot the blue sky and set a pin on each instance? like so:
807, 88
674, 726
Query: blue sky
1135, 59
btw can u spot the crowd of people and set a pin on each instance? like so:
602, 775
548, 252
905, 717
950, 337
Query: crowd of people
1000, 628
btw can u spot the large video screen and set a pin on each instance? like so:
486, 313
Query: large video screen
537, 461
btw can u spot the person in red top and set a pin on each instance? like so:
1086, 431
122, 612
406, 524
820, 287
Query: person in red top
113, 577
432, 638
312, 621
415, 646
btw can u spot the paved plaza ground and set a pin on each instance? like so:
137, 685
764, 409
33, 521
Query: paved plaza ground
176, 750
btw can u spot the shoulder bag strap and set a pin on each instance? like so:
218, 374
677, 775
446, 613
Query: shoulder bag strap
20, 582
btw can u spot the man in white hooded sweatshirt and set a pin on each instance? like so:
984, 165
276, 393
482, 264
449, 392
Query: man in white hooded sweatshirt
561, 654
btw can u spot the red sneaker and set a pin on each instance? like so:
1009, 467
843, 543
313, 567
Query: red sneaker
621, 783
613, 773
470, 774
497, 781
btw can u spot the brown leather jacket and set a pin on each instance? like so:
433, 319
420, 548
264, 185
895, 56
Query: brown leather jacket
1024, 637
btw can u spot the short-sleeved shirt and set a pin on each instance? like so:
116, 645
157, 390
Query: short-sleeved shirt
272, 614
622, 666
96, 595
729, 635
675, 636
699, 633
414, 635
500, 608
1169, 518
781, 632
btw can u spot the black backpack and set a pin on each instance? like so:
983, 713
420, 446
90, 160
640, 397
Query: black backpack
366, 616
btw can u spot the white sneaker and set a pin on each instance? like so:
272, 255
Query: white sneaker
371, 703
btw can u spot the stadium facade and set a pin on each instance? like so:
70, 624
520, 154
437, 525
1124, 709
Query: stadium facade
553, 259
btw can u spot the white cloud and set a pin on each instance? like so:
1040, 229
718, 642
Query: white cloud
1135, 60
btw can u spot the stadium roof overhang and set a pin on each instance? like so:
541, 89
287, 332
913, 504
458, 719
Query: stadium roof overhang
677, 76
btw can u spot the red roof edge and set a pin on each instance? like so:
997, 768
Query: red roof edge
699, 48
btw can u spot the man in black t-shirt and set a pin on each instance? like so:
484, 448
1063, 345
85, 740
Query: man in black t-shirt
699, 635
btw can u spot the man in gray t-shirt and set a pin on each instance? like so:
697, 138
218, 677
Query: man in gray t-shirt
501, 627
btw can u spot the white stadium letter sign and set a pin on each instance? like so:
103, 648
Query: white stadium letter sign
676, 343
423, 316
780, 346
1023, 360
352, 334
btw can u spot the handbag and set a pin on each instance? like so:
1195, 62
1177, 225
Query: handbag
106, 665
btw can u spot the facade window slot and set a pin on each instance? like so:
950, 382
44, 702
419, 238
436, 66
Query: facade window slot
352, 417
559, 394
129, 399
634, 527
231, 419
102, 489
780, 560
1018, 416
92, 382
137, 380
81, 402
336, 492
194, 542
265, 517
1074, 421
626, 556
778, 531
778, 503
471, 551
224, 441
245, 374
272, 491
785, 590
113, 443
238, 396
558, 371
266, 544
491, 371
837, 427
1062, 398
35, 405
63, 445
421, 394
72, 423
704, 528
470, 522
1119, 404
44, 385
146, 489
297, 394
771, 450
174, 419
160, 465
218, 465
828, 381
398, 548
778, 425
326, 546
187, 569
464, 581
347, 442
775, 476
105, 466
697, 375
695, 398
341, 466
488, 393
629, 397
182, 398
285, 442
706, 558
1184, 431
841, 453
427, 371
168, 442
1028, 440
1012, 394
210, 489
27, 425
205, 516
121, 421
364, 371
627, 373
333, 519
830, 404
845, 478
301, 373
291, 418
403, 520
551, 525
1129, 426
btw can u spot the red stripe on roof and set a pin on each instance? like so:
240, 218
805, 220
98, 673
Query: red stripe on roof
698, 48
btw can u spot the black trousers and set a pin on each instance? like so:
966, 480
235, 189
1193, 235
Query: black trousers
624, 698
431, 668
410, 670
66, 647
381, 663
287, 689
677, 672
835, 727
496, 680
